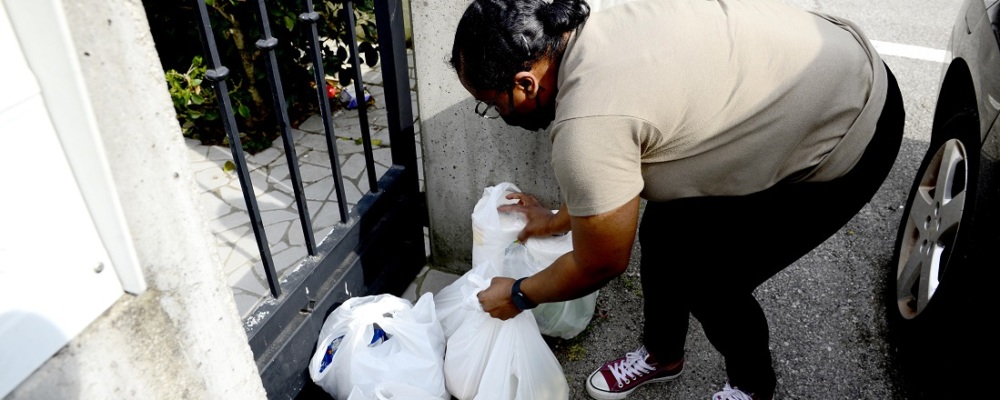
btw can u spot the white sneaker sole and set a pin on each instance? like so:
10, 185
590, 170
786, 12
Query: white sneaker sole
602, 395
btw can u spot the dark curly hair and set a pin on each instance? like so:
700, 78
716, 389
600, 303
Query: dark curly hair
496, 39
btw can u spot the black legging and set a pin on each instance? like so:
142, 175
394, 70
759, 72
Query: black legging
706, 255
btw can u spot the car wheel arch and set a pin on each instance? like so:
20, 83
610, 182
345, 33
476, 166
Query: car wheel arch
957, 94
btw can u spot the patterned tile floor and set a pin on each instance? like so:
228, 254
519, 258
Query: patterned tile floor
222, 198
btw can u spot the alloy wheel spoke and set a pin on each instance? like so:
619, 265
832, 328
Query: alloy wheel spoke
952, 157
952, 211
929, 277
910, 273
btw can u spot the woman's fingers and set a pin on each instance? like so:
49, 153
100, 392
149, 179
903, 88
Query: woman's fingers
523, 198
513, 208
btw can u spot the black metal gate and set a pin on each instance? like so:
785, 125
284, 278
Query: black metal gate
378, 246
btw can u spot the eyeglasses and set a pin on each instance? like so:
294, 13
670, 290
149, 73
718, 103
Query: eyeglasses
488, 110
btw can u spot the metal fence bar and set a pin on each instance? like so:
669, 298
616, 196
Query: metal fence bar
396, 81
217, 74
316, 52
267, 44
359, 91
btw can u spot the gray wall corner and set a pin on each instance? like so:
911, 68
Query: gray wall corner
463, 153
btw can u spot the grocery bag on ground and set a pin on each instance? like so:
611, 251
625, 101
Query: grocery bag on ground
490, 359
495, 238
378, 344
493, 231
564, 319
393, 391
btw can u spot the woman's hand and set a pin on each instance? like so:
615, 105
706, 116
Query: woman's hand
496, 299
541, 220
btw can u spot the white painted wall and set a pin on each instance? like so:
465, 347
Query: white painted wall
182, 337
48, 243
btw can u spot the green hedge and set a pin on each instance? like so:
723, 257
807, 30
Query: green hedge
174, 28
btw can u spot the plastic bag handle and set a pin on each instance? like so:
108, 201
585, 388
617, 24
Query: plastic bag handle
495, 197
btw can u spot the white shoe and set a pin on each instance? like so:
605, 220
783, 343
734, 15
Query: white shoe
731, 393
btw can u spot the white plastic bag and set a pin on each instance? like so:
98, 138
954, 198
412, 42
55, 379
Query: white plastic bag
564, 319
493, 231
490, 359
393, 391
371, 344
495, 239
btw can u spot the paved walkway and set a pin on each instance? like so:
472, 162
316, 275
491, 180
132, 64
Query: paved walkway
225, 209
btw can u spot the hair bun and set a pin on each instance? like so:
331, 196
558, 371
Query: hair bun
563, 15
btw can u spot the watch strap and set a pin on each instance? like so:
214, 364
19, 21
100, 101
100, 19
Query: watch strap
517, 296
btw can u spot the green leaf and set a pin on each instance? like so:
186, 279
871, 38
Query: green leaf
345, 76
244, 111
376, 142
341, 54
196, 99
210, 2
371, 55
229, 166
289, 22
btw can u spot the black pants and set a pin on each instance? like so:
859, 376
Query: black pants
705, 256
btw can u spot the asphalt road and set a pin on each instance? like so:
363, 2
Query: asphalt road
827, 312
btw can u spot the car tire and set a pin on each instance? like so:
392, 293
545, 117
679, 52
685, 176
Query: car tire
929, 277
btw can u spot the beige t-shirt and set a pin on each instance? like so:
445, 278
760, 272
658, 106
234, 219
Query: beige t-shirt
684, 98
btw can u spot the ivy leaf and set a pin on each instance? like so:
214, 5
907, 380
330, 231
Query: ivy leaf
289, 22
342, 15
345, 76
244, 111
341, 54
229, 166
196, 99
371, 55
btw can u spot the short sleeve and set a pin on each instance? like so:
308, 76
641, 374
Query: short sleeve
598, 162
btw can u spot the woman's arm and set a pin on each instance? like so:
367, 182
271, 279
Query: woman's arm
602, 245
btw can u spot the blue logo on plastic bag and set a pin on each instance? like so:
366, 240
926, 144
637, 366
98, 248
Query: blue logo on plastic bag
331, 349
379, 337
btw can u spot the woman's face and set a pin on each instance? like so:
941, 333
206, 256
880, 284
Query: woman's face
530, 104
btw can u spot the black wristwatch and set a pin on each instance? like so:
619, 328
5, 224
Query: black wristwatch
520, 300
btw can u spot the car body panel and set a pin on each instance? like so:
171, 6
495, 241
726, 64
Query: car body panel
974, 41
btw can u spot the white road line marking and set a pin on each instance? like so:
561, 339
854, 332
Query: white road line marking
909, 51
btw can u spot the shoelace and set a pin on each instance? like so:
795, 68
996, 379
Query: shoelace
731, 393
632, 367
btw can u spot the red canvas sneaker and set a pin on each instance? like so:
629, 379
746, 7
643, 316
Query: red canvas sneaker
616, 379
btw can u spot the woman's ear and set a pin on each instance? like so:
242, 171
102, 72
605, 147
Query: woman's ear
527, 82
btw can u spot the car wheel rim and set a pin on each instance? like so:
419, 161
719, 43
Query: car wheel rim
931, 230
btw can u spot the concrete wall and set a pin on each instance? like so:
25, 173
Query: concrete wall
182, 338
464, 153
